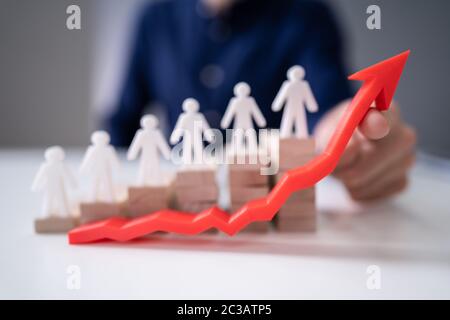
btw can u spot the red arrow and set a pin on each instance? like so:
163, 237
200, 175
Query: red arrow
379, 84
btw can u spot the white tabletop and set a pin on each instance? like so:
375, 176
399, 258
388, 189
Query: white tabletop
407, 238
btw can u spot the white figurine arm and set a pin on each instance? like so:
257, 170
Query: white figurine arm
207, 132
279, 100
87, 160
229, 114
310, 101
135, 146
39, 180
257, 114
177, 131
162, 145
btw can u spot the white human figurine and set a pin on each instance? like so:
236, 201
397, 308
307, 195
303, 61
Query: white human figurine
99, 161
191, 126
243, 108
150, 142
54, 177
295, 94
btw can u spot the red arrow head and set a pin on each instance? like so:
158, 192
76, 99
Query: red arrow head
386, 74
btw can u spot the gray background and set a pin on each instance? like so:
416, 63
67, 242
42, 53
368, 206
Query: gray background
44, 75
54, 83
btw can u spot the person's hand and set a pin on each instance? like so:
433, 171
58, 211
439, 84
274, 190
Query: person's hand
378, 157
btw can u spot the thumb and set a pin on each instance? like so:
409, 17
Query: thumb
375, 125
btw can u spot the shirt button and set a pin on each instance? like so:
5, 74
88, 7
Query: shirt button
212, 76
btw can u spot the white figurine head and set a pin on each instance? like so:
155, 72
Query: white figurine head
149, 121
242, 89
54, 154
100, 138
296, 73
190, 105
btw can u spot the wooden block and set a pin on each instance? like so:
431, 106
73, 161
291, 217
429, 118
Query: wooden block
295, 152
299, 204
201, 193
244, 159
95, 211
247, 177
55, 224
298, 211
145, 200
304, 206
290, 162
302, 196
302, 158
138, 210
195, 207
240, 194
297, 147
172, 203
157, 194
296, 225
258, 227
187, 178
246, 166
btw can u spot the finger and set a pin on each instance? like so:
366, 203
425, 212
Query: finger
376, 157
389, 191
378, 185
375, 125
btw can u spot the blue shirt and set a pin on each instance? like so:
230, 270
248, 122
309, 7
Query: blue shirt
180, 51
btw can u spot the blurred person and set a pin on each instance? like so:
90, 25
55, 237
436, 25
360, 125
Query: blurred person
202, 48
